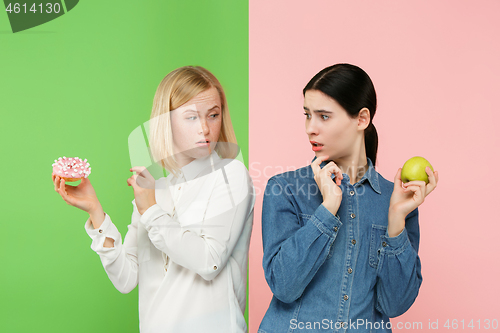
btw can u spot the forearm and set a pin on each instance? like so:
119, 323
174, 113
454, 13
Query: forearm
123, 271
399, 275
202, 247
119, 261
396, 223
96, 218
291, 264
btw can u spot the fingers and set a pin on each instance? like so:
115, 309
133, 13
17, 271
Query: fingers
418, 192
141, 171
145, 180
433, 179
332, 168
132, 180
55, 180
397, 179
137, 169
414, 182
62, 191
62, 188
328, 170
316, 164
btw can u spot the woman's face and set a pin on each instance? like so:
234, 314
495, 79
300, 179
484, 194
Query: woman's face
196, 126
330, 129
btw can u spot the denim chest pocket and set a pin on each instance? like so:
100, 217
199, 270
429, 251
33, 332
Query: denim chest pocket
303, 220
376, 243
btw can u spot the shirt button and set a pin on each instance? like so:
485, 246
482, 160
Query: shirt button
349, 270
346, 297
351, 193
384, 244
335, 229
215, 268
353, 215
100, 231
179, 188
353, 242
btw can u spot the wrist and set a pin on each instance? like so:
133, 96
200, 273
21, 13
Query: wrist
396, 223
97, 216
142, 211
331, 208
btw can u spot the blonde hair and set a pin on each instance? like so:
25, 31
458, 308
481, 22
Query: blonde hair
177, 88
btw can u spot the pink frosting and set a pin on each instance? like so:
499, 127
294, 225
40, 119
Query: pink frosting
71, 167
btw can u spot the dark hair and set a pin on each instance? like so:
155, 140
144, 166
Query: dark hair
353, 89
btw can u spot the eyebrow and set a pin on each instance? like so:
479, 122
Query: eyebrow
211, 109
318, 111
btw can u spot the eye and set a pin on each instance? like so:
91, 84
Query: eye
192, 118
307, 115
215, 115
325, 117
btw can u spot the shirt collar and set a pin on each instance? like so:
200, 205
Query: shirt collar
194, 168
370, 175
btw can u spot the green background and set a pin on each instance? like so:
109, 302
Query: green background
77, 86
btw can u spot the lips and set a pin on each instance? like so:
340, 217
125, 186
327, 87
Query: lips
203, 143
316, 146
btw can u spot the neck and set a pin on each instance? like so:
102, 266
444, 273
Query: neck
354, 165
355, 168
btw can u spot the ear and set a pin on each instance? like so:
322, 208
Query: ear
363, 118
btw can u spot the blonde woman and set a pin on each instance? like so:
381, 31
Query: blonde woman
187, 245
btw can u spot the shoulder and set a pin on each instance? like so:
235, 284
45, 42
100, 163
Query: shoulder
231, 165
290, 183
232, 172
163, 182
386, 186
293, 176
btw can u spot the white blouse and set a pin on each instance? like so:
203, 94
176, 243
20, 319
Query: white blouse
188, 252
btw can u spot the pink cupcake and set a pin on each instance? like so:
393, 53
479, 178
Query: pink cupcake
71, 168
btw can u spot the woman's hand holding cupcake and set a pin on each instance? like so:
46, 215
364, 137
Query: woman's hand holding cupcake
82, 196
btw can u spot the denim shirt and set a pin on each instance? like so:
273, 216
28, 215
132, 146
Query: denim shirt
338, 273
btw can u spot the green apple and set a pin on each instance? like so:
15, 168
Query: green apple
414, 169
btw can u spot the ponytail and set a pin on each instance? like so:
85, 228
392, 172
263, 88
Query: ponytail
371, 142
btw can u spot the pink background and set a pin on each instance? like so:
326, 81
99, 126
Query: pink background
435, 66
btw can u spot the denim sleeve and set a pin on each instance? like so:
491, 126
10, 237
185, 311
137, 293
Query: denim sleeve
293, 253
399, 272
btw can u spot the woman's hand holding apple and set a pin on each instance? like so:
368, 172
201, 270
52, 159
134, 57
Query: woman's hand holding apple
406, 197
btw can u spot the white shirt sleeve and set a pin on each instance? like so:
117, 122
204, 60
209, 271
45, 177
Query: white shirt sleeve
120, 261
205, 246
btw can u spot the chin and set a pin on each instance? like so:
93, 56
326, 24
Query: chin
200, 152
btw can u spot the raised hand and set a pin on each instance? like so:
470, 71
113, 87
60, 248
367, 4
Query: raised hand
82, 196
406, 197
144, 188
331, 192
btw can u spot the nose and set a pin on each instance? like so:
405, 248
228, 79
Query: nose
205, 129
311, 128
